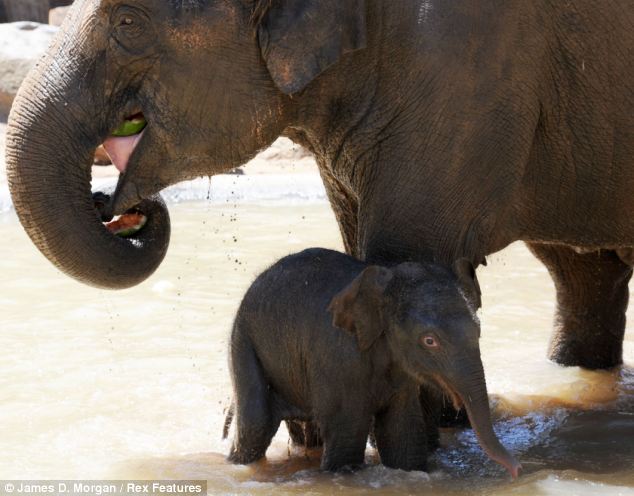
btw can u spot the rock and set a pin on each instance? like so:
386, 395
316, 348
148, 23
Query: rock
25, 10
56, 16
21, 46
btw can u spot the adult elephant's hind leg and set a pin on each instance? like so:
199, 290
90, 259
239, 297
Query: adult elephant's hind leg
592, 297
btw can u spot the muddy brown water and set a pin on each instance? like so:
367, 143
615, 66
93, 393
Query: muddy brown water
133, 384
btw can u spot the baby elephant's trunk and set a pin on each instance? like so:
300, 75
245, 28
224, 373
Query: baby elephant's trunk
473, 393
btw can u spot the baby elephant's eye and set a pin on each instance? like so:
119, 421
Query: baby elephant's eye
430, 341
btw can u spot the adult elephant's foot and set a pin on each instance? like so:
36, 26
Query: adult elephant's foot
592, 297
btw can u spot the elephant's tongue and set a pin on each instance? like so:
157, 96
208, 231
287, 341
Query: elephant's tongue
120, 149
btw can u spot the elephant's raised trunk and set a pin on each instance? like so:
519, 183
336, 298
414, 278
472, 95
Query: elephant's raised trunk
50, 145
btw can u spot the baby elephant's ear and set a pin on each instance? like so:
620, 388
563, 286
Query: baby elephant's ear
466, 274
300, 39
357, 308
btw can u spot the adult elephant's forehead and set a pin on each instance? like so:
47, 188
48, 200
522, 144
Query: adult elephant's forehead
219, 24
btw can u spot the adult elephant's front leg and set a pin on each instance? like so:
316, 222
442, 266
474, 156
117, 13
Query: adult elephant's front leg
592, 297
345, 207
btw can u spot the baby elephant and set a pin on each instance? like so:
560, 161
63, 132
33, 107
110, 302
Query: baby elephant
323, 337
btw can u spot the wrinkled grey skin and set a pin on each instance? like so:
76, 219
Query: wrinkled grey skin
322, 337
442, 129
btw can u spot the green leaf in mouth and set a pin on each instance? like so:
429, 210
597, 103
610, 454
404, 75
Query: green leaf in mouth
130, 127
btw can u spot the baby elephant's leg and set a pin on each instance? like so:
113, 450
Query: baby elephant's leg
256, 420
400, 432
436, 409
345, 435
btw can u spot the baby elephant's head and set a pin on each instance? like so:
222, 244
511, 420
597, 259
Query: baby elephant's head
426, 314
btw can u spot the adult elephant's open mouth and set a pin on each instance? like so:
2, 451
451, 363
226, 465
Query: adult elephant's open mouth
49, 159
147, 223
120, 145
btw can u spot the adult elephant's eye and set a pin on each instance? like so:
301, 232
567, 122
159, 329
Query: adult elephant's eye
129, 22
132, 30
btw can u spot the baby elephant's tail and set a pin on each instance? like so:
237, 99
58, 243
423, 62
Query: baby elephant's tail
228, 419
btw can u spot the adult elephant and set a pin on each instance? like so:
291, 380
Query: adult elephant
442, 130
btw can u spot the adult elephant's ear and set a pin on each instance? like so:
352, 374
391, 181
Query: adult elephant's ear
300, 39
357, 308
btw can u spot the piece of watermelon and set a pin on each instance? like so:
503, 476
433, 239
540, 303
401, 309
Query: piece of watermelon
127, 224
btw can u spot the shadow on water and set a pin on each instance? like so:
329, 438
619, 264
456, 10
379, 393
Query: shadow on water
593, 440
